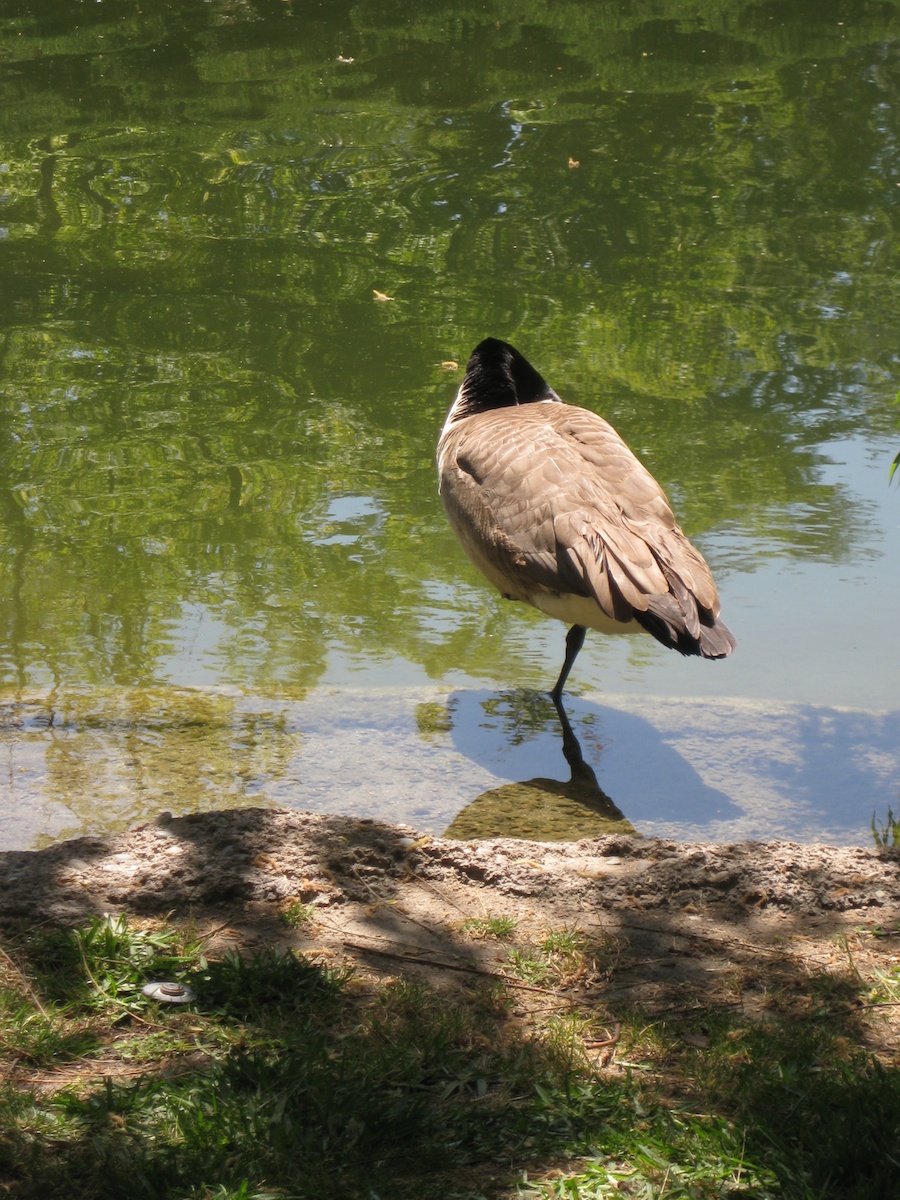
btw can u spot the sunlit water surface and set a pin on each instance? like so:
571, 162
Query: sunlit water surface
244, 254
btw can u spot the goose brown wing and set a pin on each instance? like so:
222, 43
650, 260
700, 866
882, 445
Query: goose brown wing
647, 558
558, 495
501, 473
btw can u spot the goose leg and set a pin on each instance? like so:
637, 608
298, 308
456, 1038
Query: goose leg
571, 744
574, 642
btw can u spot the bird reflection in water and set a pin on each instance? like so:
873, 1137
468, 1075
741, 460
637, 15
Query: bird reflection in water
544, 810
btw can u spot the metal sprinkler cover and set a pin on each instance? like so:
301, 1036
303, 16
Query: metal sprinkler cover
168, 993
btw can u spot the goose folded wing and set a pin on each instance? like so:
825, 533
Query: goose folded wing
645, 547
534, 494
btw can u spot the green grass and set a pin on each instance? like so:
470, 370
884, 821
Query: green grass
499, 928
288, 1078
559, 958
886, 833
297, 915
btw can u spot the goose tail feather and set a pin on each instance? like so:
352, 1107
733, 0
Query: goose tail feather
713, 638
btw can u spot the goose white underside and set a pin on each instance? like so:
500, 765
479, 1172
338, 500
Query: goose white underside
563, 606
580, 610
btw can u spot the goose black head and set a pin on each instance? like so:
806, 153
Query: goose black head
498, 376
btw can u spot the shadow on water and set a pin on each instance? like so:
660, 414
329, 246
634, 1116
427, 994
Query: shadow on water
795, 771
521, 733
546, 810
689, 769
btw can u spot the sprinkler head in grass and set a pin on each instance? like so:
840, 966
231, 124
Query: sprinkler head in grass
168, 993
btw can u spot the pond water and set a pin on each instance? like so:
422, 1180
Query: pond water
245, 250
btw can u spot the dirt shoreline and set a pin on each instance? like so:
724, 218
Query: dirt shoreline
683, 925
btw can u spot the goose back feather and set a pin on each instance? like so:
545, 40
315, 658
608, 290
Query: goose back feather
555, 510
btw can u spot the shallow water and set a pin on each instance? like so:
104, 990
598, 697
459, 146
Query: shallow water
242, 248
465, 763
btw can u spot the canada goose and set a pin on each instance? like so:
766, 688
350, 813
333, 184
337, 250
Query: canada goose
554, 509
